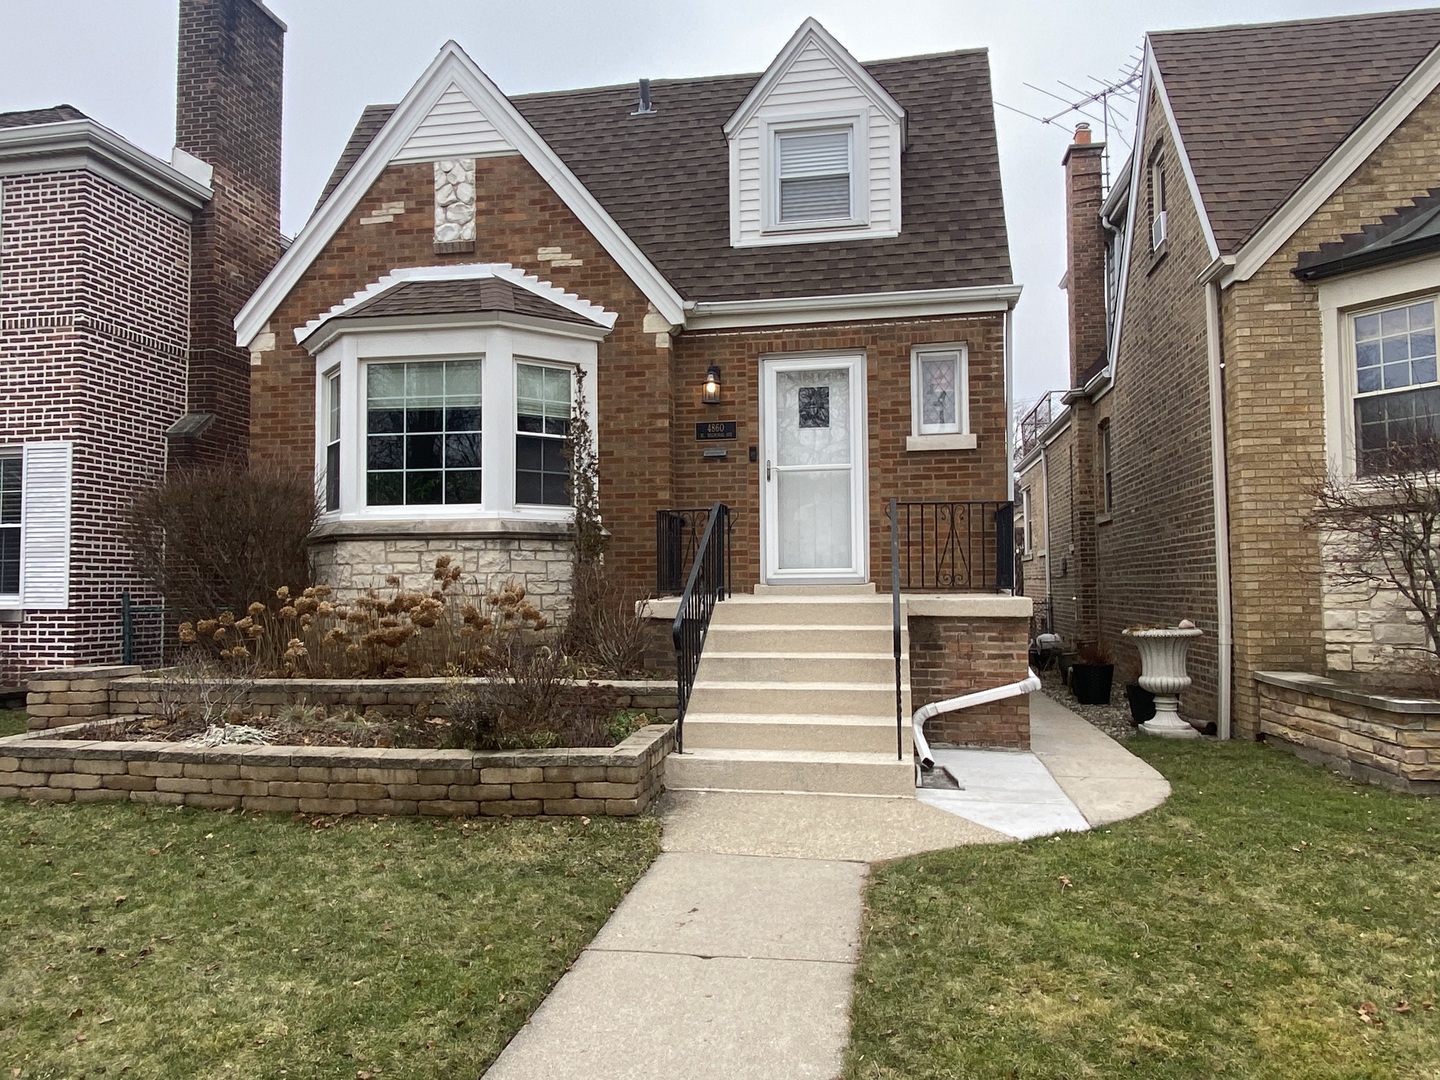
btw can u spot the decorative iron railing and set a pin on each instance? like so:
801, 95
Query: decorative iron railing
707, 584
677, 538
895, 628
954, 546
1038, 420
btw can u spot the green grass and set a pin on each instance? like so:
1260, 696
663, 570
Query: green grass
165, 942
12, 722
1270, 920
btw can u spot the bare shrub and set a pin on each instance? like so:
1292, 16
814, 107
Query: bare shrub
197, 693
529, 701
209, 539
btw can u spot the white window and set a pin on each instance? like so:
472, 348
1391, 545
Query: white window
422, 433
940, 398
1025, 527
1159, 220
813, 176
542, 423
11, 467
1106, 499
448, 423
1397, 394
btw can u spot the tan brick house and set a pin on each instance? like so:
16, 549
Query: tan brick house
825, 242
1255, 259
119, 275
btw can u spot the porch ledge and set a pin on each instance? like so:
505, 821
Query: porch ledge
1305, 683
943, 605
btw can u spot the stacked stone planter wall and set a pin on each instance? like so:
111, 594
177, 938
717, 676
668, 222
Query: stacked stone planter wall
618, 781
1376, 738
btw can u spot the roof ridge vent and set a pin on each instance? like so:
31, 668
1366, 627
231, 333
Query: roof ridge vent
645, 107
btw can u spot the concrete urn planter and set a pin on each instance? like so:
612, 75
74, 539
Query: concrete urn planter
1162, 672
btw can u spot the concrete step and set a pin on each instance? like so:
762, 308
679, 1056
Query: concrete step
799, 611
790, 771
793, 731
784, 639
840, 699
860, 589
722, 666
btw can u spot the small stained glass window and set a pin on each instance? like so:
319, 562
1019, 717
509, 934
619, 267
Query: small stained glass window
939, 391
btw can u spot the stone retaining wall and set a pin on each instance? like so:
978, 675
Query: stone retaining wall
64, 695
1371, 737
619, 781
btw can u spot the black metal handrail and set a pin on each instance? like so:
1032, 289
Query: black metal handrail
895, 623
955, 546
677, 538
708, 583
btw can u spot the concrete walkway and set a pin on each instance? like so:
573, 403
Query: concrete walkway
733, 957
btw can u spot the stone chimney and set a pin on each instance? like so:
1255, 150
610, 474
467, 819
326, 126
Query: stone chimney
227, 114
1085, 255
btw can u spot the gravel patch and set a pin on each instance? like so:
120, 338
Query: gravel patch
1113, 720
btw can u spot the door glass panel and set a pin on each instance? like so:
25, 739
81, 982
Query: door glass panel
813, 421
814, 519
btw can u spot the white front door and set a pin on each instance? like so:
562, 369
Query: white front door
814, 521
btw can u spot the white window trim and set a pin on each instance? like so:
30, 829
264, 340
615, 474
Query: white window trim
515, 433
499, 348
940, 437
770, 132
1159, 219
1340, 300
1026, 505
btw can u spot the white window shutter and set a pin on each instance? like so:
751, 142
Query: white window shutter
45, 526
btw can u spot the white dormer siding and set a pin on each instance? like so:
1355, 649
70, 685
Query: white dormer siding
814, 86
454, 128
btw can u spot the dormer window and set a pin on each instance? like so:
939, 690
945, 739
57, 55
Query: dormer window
813, 170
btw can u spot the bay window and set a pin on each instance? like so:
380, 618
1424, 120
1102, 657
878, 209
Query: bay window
1397, 393
542, 422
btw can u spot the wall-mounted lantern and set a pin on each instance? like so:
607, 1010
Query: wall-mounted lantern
710, 392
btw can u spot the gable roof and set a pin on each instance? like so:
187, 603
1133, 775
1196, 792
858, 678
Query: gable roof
665, 178
1260, 108
1410, 231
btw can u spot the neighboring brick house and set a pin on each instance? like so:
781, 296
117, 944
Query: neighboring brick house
1254, 253
827, 239
119, 275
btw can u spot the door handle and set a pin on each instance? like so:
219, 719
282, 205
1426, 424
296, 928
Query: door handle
767, 470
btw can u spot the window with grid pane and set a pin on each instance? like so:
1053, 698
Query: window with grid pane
814, 175
10, 474
939, 392
1397, 397
332, 443
542, 420
422, 433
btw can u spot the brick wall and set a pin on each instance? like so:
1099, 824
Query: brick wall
954, 654
228, 114
1275, 408
1155, 554
92, 332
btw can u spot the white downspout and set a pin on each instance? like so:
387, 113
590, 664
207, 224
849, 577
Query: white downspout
1009, 410
1045, 476
1221, 488
964, 701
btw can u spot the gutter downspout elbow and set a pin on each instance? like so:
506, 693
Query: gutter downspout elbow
964, 701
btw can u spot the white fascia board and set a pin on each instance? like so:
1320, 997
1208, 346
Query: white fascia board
1336, 169
467, 272
481, 320
84, 144
811, 31
451, 65
1137, 156
1181, 152
736, 314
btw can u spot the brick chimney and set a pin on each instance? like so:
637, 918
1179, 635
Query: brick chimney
1084, 255
227, 114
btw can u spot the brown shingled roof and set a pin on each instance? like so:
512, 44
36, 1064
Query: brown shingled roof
665, 180
458, 296
54, 115
1261, 107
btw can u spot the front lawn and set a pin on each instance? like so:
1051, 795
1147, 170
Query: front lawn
1270, 920
12, 722
163, 942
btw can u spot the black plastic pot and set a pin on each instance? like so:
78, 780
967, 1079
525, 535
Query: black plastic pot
1142, 702
1090, 683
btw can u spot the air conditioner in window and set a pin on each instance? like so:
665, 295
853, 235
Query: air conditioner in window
1158, 231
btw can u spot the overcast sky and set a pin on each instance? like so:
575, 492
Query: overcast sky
115, 61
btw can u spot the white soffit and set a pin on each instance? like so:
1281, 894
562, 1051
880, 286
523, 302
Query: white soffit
1336, 169
811, 32
451, 68
469, 272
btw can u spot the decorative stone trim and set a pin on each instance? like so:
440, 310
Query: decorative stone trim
455, 200
618, 781
1376, 738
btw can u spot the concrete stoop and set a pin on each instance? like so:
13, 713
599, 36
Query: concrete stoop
796, 693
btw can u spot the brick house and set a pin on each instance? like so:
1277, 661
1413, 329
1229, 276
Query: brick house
119, 275
823, 245
1254, 259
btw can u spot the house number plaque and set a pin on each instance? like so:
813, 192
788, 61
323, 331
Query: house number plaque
715, 429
